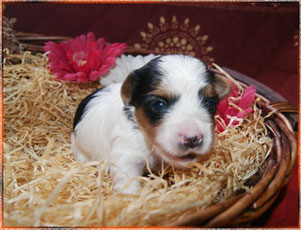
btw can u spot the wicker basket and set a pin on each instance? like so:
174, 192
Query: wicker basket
248, 206
244, 208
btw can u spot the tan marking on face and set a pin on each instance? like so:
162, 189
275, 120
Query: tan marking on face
149, 130
162, 93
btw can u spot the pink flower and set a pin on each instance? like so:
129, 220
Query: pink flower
234, 106
82, 59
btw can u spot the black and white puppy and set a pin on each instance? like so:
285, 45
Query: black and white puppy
162, 111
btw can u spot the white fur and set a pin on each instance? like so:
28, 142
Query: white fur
124, 65
105, 132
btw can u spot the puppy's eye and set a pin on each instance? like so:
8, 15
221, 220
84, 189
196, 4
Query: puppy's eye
158, 106
155, 107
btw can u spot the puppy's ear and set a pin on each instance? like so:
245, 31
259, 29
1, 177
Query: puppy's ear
222, 86
128, 87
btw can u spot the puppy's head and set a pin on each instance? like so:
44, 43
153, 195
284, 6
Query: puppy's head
175, 99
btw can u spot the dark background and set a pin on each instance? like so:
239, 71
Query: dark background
260, 40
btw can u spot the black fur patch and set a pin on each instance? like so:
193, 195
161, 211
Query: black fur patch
210, 104
130, 115
82, 106
210, 77
154, 115
147, 78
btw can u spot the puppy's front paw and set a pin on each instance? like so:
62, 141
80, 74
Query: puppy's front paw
131, 187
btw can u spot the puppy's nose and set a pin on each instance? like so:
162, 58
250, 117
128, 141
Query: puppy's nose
193, 141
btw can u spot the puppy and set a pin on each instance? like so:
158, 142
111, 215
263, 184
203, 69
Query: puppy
163, 111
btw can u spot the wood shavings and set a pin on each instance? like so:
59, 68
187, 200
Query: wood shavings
43, 184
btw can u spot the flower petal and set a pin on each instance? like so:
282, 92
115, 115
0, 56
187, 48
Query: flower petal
69, 77
227, 108
81, 77
94, 75
82, 58
247, 97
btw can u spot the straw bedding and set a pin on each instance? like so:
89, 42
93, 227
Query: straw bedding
44, 185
